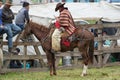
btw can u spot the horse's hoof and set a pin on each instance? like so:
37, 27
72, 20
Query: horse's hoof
51, 74
82, 75
54, 74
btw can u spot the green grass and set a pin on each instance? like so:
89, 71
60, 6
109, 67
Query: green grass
92, 21
107, 73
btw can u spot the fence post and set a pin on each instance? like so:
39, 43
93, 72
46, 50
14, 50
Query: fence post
1, 52
1, 59
100, 44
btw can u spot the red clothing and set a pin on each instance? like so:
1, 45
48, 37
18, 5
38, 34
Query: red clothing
57, 24
66, 43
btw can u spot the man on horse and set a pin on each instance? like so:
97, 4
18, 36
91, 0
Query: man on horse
63, 23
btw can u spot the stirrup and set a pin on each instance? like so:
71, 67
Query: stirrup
71, 38
53, 51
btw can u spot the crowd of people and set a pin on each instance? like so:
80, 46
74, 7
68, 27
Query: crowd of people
6, 21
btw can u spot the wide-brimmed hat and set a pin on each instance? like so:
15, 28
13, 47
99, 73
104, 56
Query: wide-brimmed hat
0, 1
59, 5
8, 3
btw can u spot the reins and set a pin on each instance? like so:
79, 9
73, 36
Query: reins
48, 36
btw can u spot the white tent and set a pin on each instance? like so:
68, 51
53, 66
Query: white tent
46, 12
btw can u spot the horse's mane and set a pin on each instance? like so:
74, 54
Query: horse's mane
41, 27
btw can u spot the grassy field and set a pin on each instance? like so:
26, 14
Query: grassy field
107, 73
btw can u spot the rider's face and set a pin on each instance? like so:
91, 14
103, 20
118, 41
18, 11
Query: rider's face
0, 3
60, 9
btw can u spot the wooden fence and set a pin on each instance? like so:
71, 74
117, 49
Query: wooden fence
101, 55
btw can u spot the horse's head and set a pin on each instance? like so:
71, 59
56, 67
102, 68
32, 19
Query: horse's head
27, 30
39, 30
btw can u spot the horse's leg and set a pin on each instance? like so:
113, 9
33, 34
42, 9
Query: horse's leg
50, 62
84, 72
87, 56
85, 62
54, 67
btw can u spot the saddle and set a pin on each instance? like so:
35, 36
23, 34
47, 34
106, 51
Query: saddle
66, 39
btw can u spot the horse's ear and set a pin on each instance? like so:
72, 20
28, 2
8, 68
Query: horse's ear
31, 20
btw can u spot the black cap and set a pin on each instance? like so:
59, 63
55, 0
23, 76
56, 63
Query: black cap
18, 50
25, 4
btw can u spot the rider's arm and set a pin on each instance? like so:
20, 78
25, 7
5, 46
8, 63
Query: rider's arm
26, 16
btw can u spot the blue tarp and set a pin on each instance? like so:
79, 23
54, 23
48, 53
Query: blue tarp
69, 0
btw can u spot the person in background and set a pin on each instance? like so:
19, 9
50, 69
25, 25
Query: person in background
3, 29
7, 17
1, 25
16, 63
23, 16
106, 43
0, 14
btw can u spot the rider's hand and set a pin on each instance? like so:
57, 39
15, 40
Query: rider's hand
1, 26
61, 29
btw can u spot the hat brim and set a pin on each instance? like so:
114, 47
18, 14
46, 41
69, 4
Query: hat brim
56, 9
8, 4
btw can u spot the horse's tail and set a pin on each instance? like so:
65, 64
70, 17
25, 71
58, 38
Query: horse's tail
91, 50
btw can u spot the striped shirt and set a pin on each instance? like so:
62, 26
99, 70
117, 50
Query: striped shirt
66, 21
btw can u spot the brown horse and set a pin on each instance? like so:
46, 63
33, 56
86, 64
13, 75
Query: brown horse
84, 42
